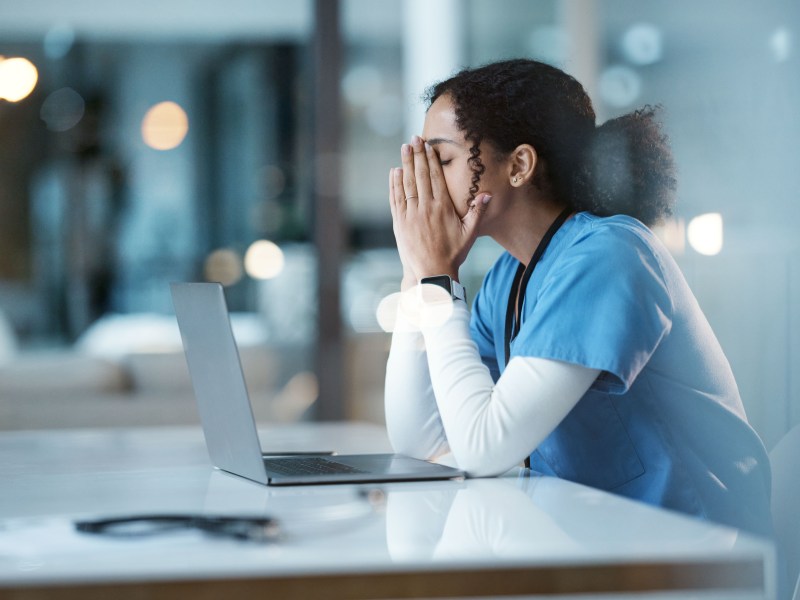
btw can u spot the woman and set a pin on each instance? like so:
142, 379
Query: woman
585, 353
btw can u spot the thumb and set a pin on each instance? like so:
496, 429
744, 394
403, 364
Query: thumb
475, 214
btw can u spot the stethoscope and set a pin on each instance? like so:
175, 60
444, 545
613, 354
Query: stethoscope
516, 296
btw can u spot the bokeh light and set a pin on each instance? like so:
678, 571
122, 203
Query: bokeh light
58, 41
705, 233
62, 109
386, 312
436, 305
264, 260
165, 126
672, 232
422, 306
780, 44
224, 266
620, 86
642, 44
18, 78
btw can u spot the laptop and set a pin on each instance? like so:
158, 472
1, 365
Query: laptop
227, 415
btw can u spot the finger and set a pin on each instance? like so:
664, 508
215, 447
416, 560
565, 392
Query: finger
392, 201
438, 184
399, 193
422, 174
409, 185
474, 215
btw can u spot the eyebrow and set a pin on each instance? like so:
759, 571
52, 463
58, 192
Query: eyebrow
437, 141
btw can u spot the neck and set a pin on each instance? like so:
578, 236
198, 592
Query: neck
525, 226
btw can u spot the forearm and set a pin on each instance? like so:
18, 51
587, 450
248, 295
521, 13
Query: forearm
490, 428
412, 417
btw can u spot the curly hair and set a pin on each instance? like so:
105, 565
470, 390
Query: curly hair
624, 166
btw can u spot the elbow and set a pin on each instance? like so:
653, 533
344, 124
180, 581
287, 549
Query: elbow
483, 451
476, 473
408, 445
406, 449
481, 465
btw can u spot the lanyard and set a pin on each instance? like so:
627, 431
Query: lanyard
517, 295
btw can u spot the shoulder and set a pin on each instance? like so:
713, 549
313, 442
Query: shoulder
614, 242
614, 230
611, 253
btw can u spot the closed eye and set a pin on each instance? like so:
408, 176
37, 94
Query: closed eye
444, 163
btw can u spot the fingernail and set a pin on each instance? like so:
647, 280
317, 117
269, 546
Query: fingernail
428, 147
417, 141
406, 149
486, 198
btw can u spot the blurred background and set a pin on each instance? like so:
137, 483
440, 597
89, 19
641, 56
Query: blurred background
249, 142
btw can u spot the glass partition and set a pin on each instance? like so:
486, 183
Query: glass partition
150, 145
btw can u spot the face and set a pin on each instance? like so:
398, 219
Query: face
441, 132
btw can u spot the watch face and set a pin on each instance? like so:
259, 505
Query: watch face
435, 289
443, 281
453, 288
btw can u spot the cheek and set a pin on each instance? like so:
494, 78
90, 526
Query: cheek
458, 184
452, 183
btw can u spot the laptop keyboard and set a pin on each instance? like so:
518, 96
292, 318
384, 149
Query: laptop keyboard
308, 466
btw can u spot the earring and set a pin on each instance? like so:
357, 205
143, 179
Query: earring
515, 180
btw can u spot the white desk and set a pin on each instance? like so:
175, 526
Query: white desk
513, 535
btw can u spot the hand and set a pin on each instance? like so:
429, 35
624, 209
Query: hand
409, 277
431, 237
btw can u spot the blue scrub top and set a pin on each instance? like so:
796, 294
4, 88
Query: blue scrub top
664, 422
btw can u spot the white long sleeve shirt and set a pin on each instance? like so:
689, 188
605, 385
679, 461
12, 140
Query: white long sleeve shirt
441, 399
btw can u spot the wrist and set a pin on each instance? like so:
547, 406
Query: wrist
451, 272
408, 282
450, 284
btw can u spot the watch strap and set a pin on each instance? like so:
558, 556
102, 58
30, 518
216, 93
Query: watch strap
450, 285
458, 291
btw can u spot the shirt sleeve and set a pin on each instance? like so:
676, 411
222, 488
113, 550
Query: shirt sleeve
603, 304
412, 416
491, 428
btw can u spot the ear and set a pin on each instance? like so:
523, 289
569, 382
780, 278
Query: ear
522, 164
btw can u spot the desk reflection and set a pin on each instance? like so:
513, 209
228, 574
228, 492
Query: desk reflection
304, 512
524, 516
529, 516
487, 517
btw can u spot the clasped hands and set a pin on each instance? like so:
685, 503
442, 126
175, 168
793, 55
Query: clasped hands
432, 238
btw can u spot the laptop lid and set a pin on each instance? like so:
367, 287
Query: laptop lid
217, 379
227, 416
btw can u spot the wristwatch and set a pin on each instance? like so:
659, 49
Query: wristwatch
447, 283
